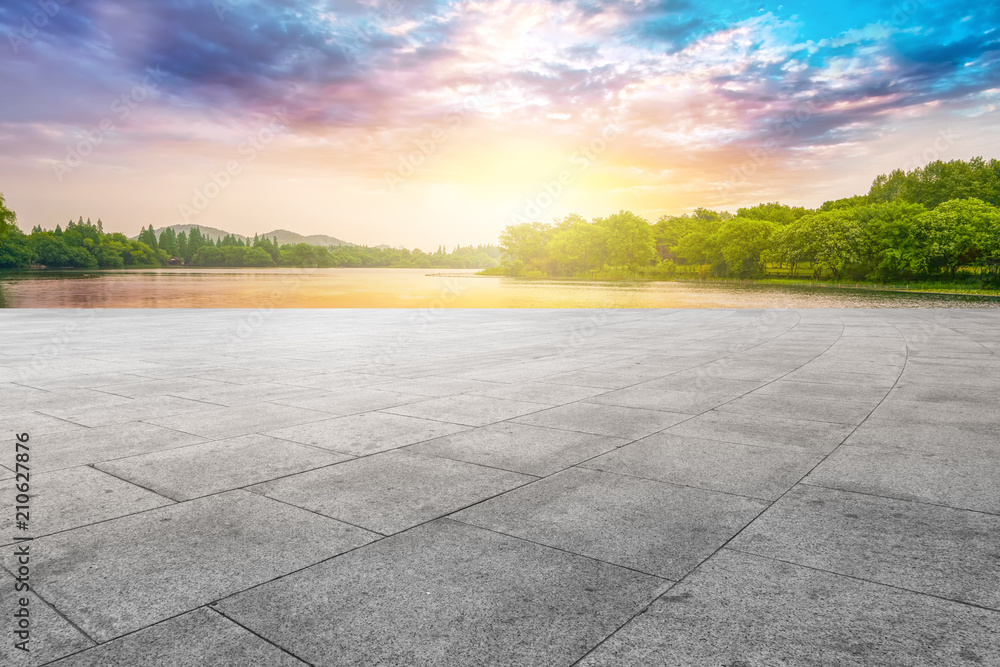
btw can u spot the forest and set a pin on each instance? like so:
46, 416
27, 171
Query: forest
936, 223
85, 245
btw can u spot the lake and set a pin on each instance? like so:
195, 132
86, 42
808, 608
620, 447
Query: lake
419, 288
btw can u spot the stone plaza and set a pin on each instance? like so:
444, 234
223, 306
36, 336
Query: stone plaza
714, 488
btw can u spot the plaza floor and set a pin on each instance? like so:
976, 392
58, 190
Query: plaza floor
728, 488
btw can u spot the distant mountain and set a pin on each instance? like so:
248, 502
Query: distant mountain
283, 235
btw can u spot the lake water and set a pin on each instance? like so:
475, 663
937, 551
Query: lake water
419, 288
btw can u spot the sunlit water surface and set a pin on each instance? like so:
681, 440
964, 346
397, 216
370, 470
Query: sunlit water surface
419, 288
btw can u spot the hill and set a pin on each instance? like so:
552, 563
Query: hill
286, 237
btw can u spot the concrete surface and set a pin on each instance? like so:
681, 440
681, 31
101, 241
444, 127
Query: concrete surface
709, 488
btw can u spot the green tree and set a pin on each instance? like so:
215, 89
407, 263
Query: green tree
629, 240
8, 219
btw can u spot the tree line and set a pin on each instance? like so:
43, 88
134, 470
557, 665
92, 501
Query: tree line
939, 222
85, 245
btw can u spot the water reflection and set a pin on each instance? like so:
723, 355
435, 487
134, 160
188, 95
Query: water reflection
419, 288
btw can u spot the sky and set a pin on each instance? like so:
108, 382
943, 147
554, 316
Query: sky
430, 122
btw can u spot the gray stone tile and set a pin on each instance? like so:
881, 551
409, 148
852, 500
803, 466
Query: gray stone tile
122, 575
765, 431
641, 396
16, 398
93, 445
337, 381
540, 392
611, 420
841, 374
702, 384
944, 552
201, 637
955, 413
589, 378
467, 410
222, 465
352, 402
759, 472
368, 433
955, 439
74, 402
739, 609
961, 481
645, 525
824, 391
75, 497
526, 449
50, 635
392, 491
242, 394
445, 594
230, 422
56, 382
131, 410
35, 424
439, 386
145, 387
810, 409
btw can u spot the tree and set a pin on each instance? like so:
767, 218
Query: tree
168, 242
8, 219
577, 247
742, 243
629, 240
15, 250
958, 233
523, 246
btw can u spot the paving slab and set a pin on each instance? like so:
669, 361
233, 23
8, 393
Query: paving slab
794, 407
222, 393
119, 576
368, 433
35, 424
196, 639
50, 635
823, 391
611, 420
74, 497
925, 548
758, 472
351, 402
467, 410
588, 378
392, 491
657, 528
964, 481
221, 465
146, 387
520, 448
129, 411
641, 396
16, 398
765, 431
694, 413
740, 609
539, 392
227, 422
92, 445
445, 594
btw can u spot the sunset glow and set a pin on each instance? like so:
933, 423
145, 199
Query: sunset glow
430, 122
